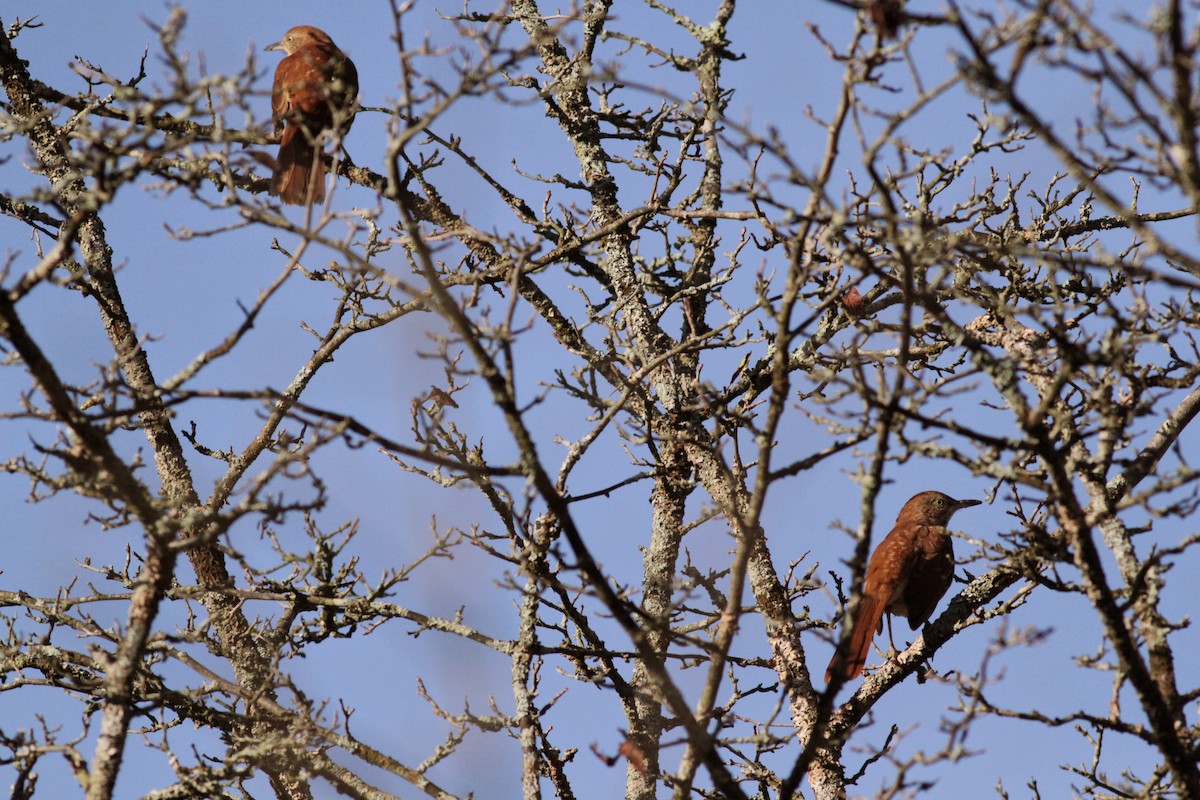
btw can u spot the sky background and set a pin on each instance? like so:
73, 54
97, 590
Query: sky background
184, 296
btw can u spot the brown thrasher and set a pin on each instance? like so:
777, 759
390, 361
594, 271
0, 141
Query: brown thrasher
314, 94
908, 574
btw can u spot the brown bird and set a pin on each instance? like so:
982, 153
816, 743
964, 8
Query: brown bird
908, 574
314, 95
886, 16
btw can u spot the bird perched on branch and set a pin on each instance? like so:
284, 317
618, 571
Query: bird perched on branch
314, 97
907, 574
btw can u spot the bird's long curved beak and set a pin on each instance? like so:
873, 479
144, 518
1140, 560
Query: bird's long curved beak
961, 504
277, 46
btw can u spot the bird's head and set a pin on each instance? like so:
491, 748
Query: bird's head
301, 36
932, 508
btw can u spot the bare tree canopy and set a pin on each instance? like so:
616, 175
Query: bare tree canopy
539, 444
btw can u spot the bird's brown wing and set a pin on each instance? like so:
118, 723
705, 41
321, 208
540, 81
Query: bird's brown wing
932, 574
887, 572
301, 91
345, 76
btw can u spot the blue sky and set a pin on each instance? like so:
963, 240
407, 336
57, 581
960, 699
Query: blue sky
184, 296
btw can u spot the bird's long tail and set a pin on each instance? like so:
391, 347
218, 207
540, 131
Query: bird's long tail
850, 659
299, 177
